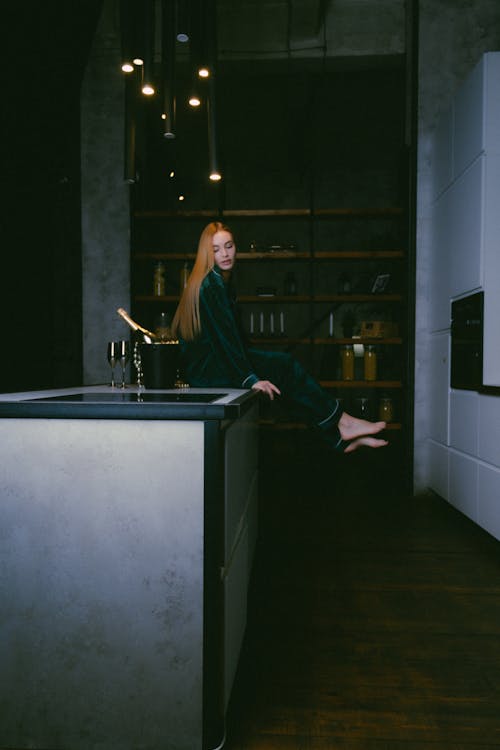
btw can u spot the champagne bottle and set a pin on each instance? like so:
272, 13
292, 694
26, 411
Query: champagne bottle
148, 336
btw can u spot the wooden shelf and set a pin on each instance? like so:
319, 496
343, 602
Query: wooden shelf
156, 298
276, 255
277, 425
361, 383
285, 341
357, 254
345, 213
164, 256
319, 298
368, 341
342, 213
283, 299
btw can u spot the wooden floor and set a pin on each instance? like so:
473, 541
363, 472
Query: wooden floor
374, 617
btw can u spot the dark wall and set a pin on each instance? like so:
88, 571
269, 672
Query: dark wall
288, 136
47, 44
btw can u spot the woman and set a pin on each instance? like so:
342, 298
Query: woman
215, 354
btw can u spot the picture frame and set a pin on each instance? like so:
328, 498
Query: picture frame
380, 283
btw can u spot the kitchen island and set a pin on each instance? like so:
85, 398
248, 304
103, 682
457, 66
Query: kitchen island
128, 523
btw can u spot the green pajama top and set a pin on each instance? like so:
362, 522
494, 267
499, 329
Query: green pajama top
218, 356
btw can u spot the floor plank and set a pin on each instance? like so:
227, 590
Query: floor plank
374, 617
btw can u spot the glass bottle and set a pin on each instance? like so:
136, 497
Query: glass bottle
347, 359
290, 284
344, 284
386, 410
184, 276
159, 279
370, 363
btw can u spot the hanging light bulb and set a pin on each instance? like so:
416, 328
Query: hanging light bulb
182, 32
128, 27
168, 69
215, 174
203, 72
194, 101
147, 87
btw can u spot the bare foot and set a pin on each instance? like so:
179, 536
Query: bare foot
357, 432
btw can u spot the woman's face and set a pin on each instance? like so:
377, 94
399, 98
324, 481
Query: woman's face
224, 250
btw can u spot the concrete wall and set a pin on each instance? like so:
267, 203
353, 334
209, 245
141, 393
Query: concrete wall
453, 36
105, 200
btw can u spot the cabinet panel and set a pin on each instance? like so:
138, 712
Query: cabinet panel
468, 121
466, 229
489, 429
491, 273
477, 113
438, 457
491, 62
463, 484
439, 379
464, 421
488, 511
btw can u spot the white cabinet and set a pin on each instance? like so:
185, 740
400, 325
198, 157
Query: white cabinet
464, 421
438, 387
476, 113
438, 468
491, 267
466, 196
464, 439
489, 429
463, 483
488, 511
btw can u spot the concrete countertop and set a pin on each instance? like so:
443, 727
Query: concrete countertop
105, 402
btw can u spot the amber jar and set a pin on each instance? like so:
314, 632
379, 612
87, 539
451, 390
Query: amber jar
370, 363
347, 359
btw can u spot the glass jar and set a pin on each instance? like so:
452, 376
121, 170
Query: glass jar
370, 363
162, 326
363, 408
184, 276
290, 284
159, 279
347, 359
386, 409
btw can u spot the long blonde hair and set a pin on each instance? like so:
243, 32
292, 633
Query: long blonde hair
186, 321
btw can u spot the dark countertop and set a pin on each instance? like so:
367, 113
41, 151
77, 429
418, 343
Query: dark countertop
104, 402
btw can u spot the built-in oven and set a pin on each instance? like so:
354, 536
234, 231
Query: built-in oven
467, 342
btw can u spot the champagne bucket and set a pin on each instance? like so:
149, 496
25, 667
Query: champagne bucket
160, 363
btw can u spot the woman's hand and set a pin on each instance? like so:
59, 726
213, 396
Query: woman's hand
266, 387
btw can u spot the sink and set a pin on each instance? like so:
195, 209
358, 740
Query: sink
114, 397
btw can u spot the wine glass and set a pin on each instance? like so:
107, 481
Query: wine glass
123, 356
113, 359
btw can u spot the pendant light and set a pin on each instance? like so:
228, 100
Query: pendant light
168, 68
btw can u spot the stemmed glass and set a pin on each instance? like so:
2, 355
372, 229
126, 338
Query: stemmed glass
113, 356
124, 356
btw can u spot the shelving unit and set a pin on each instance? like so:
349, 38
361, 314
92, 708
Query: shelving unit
170, 236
